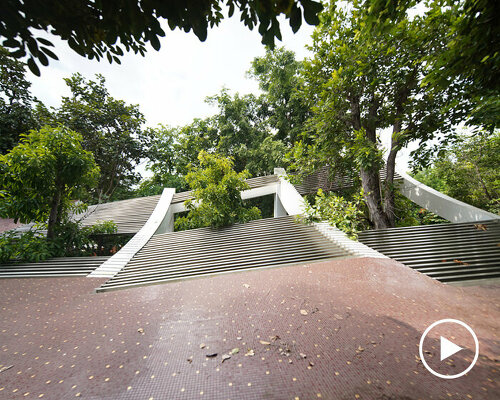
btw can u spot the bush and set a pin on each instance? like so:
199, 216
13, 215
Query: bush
71, 239
346, 215
216, 195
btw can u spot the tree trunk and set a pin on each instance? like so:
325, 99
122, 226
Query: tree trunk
371, 186
54, 211
389, 197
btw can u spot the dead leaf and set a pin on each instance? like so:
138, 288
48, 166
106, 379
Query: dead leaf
202, 346
250, 352
302, 355
239, 338
360, 349
6, 368
481, 227
337, 316
211, 355
290, 361
190, 360
311, 364
236, 350
140, 330
303, 312
264, 342
246, 285
225, 357
445, 260
274, 338
314, 310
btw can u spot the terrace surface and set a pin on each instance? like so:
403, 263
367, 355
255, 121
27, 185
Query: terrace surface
357, 322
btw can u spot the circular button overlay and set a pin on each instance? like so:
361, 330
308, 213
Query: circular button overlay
448, 348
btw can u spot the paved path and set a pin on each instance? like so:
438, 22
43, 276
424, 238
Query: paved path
359, 329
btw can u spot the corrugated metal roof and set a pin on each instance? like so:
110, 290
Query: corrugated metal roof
447, 252
321, 179
61, 266
196, 252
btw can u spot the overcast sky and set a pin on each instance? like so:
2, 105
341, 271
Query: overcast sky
170, 85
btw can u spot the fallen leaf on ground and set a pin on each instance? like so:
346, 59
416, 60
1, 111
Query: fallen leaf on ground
303, 312
314, 310
202, 346
290, 361
211, 355
337, 316
6, 368
302, 355
264, 342
250, 352
274, 338
140, 330
225, 357
246, 285
311, 364
190, 360
236, 350
239, 338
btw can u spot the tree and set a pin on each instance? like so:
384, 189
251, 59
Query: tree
283, 104
471, 57
39, 176
16, 101
216, 194
111, 130
360, 84
469, 170
103, 29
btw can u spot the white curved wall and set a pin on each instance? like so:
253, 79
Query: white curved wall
445, 206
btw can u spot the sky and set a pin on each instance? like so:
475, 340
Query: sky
170, 85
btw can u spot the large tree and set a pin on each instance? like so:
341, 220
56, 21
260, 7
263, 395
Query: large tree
360, 83
97, 29
16, 102
111, 129
40, 175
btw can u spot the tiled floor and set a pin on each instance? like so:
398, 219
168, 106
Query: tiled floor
343, 329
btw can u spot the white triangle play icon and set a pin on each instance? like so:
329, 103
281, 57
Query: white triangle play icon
448, 348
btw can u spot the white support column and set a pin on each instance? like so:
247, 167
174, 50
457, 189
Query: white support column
279, 210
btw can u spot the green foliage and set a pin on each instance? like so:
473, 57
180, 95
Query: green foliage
16, 115
361, 82
468, 170
339, 212
70, 240
105, 29
40, 175
283, 104
216, 195
111, 130
30, 246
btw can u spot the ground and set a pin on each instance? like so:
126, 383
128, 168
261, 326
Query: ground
342, 329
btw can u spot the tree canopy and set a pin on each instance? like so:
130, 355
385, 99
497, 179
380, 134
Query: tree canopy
111, 129
216, 194
40, 175
16, 102
359, 83
98, 29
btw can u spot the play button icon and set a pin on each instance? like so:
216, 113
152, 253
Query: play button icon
448, 348
446, 367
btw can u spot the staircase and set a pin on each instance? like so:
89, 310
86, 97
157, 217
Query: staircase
447, 252
204, 251
61, 266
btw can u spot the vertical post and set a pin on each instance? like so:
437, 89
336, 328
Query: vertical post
279, 210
